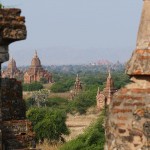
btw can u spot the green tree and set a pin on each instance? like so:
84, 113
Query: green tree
35, 86
62, 86
48, 123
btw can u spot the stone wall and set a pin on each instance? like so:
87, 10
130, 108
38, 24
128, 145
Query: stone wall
13, 106
16, 130
128, 124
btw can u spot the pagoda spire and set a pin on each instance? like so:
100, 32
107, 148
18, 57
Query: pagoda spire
139, 63
143, 38
109, 74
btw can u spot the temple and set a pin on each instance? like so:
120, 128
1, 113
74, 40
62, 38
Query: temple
36, 72
128, 122
103, 98
77, 85
12, 71
77, 88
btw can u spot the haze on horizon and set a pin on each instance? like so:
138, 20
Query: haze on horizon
77, 32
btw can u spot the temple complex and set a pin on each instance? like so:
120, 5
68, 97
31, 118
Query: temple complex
36, 72
12, 71
103, 98
128, 122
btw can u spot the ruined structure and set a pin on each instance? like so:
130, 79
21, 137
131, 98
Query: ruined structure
77, 87
15, 131
128, 122
103, 98
36, 72
12, 71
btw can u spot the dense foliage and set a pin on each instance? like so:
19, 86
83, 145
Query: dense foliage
35, 86
62, 85
48, 123
53, 103
92, 139
82, 101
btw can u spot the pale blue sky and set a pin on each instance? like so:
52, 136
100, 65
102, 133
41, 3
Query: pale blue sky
77, 31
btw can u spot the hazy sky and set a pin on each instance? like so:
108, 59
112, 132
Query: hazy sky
77, 31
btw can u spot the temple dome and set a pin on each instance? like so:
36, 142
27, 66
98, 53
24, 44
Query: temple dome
36, 61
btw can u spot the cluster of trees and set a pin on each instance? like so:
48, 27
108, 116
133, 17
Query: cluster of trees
79, 104
35, 86
48, 123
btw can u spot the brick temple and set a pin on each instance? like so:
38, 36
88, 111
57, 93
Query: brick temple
12, 71
36, 72
77, 87
103, 98
128, 122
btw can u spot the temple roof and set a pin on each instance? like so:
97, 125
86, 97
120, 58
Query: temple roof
12, 64
35, 61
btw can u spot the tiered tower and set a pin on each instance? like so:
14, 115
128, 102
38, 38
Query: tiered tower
103, 98
128, 122
77, 85
12, 71
77, 88
36, 71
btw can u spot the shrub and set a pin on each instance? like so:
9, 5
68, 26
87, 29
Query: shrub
57, 102
92, 139
83, 101
48, 123
62, 86
35, 86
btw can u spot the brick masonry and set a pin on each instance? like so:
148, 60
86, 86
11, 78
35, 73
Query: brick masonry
15, 130
128, 122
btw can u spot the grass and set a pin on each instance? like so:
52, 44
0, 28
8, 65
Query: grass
48, 146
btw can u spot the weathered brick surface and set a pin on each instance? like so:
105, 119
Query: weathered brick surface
12, 28
128, 122
13, 105
16, 131
139, 63
129, 119
17, 134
